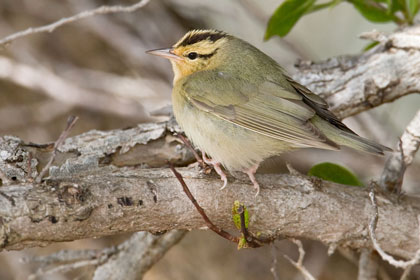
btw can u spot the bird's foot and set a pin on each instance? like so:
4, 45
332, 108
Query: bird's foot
251, 174
217, 167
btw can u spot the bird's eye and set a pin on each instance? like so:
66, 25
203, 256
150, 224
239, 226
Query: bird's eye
192, 55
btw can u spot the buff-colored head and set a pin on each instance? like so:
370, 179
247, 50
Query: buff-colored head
197, 50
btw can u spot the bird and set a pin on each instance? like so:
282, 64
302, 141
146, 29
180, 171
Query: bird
239, 107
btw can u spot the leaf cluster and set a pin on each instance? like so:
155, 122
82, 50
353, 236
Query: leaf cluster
379, 11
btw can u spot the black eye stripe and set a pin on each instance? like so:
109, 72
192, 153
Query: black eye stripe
203, 56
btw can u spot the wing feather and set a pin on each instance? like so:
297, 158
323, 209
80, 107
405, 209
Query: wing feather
265, 108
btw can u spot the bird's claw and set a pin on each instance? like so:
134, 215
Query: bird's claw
225, 181
217, 168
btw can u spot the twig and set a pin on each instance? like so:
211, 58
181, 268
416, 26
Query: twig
65, 256
368, 267
397, 163
299, 263
244, 229
273, 268
62, 268
251, 241
70, 123
188, 144
372, 227
200, 210
137, 255
142, 248
51, 27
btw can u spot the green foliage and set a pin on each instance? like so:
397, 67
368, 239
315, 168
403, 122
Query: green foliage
286, 15
334, 173
242, 243
236, 217
372, 10
290, 11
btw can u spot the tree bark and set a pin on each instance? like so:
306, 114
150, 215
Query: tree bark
103, 183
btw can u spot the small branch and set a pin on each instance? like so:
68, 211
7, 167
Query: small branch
353, 84
142, 248
244, 229
189, 145
368, 265
273, 268
395, 166
200, 210
299, 264
85, 14
62, 268
71, 121
372, 227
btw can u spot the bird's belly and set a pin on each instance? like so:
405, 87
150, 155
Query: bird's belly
235, 147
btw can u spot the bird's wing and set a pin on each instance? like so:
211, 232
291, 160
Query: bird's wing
264, 107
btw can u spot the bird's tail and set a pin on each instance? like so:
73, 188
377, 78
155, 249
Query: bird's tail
349, 138
362, 144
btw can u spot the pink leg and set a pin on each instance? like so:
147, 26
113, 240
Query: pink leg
251, 174
217, 168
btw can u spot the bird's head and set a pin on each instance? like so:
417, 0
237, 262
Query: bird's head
198, 50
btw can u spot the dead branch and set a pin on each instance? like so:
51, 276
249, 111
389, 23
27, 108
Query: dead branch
71, 121
85, 14
299, 263
352, 84
392, 175
129, 260
407, 265
137, 255
368, 265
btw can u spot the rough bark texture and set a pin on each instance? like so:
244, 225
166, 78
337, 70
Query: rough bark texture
101, 183
88, 196
352, 84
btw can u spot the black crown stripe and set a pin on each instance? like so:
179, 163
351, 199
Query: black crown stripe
198, 37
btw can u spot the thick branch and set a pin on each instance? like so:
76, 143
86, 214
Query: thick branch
352, 84
97, 187
113, 200
396, 164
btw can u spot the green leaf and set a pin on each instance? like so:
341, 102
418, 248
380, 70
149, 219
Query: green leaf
236, 216
242, 243
334, 173
412, 8
286, 16
372, 11
318, 7
370, 45
397, 5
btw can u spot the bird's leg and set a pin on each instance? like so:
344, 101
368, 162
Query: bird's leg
251, 174
217, 168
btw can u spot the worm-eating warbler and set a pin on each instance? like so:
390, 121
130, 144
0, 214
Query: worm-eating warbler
238, 106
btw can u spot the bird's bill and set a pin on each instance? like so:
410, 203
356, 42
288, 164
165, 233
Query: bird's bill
166, 53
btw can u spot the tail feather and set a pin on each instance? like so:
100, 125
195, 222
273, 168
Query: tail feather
348, 138
362, 144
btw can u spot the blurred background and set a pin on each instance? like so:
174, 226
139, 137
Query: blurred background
97, 69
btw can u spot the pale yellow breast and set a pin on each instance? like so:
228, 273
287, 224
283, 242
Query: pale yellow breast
235, 147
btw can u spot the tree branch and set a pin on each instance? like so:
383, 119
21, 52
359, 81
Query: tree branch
92, 191
397, 163
85, 14
352, 84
